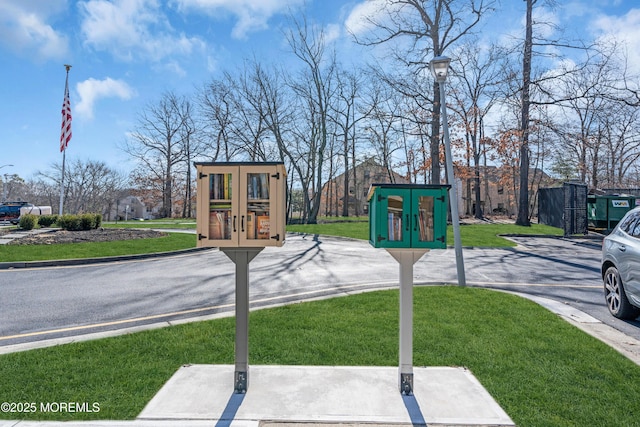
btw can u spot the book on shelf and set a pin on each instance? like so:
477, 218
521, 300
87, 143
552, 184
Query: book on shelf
215, 187
227, 186
251, 225
218, 225
394, 226
258, 186
220, 186
218, 206
426, 226
263, 224
264, 186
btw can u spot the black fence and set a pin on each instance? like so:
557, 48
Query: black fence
564, 207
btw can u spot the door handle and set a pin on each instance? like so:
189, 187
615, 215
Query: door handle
242, 224
622, 248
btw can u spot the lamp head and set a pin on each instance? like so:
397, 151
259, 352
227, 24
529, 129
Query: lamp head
439, 68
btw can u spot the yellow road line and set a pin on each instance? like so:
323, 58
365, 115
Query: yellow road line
159, 316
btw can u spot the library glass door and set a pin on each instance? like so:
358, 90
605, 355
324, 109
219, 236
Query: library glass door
429, 218
222, 210
256, 207
397, 220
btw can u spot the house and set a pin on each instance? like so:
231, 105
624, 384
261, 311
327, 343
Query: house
129, 207
498, 194
499, 189
360, 179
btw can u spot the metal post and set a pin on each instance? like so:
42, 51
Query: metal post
406, 259
242, 257
453, 199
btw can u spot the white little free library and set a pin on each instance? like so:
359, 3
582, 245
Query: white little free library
241, 204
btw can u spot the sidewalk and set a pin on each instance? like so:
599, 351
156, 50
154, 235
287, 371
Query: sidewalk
17, 234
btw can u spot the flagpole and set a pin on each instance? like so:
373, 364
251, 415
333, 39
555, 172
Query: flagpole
64, 154
64, 138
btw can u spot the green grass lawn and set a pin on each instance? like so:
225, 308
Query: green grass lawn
187, 224
540, 369
171, 242
478, 235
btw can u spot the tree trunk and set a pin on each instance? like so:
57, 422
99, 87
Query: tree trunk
523, 196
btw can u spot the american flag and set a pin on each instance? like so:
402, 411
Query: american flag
65, 135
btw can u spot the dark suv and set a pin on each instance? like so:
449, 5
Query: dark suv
10, 211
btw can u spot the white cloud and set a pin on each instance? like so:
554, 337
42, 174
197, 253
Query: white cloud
359, 20
623, 29
252, 15
133, 29
24, 28
91, 90
332, 33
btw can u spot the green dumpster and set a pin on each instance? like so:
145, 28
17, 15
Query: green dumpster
604, 212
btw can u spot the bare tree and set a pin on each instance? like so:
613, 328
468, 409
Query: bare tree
544, 84
190, 135
15, 188
477, 75
90, 186
158, 145
384, 123
347, 116
216, 105
314, 88
621, 138
430, 28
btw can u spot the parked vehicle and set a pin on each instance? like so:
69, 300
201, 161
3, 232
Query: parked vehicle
621, 267
35, 210
10, 211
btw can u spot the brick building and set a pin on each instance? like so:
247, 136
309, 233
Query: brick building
360, 179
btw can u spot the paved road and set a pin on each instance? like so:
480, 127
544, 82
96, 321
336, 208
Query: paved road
45, 303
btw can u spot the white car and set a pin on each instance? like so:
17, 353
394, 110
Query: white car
621, 267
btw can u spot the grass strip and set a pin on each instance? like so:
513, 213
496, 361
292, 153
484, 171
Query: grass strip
353, 230
157, 224
540, 369
477, 235
170, 242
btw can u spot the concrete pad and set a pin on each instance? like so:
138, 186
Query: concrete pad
136, 423
326, 394
5, 241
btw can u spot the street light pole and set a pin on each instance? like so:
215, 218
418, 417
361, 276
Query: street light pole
4, 184
439, 68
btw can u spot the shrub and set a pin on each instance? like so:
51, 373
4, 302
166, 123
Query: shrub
70, 222
80, 222
47, 220
87, 221
28, 221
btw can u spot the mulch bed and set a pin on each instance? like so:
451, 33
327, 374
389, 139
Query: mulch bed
97, 235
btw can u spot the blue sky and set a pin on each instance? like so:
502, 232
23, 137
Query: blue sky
126, 53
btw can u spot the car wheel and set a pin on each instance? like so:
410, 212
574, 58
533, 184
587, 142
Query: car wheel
615, 297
